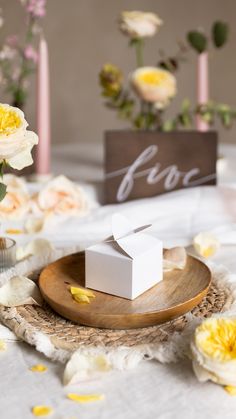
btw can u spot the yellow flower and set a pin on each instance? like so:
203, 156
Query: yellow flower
206, 244
9, 120
16, 142
138, 24
214, 351
217, 339
111, 79
154, 85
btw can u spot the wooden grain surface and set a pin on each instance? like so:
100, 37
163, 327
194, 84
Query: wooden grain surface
177, 294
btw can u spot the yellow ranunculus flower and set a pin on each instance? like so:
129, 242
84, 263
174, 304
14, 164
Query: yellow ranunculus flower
154, 85
213, 351
16, 142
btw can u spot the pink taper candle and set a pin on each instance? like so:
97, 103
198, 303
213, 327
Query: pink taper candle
43, 150
202, 87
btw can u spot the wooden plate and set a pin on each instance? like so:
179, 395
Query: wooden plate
178, 293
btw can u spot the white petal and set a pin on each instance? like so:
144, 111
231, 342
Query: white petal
91, 363
36, 247
34, 225
82, 366
18, 291
23, 158
174, 258
201, 374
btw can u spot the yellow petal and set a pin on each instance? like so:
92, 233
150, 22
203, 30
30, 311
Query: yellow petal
3, 345
85, 398
231, 390
38, 368
14, 231
42, 411
81, 291
81, 299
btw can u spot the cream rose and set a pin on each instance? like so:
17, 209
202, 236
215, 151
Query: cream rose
16, 202
16, 142
154, 85
137, 24
213, 351
61, 196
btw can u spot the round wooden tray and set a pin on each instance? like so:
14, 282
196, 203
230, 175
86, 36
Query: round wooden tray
178, 293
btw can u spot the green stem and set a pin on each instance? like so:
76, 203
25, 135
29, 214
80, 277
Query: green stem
139, 52
159, 121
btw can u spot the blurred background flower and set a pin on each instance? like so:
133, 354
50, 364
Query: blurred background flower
18, 56
138, 24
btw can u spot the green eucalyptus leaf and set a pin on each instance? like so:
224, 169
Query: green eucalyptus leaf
185, 105
169, 125
3, 191
1, 168
226, 120
140, 121
220, 32
207, 117
197, 40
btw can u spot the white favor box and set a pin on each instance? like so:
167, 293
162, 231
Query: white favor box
127, 265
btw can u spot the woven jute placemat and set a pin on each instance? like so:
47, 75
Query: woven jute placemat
28, 321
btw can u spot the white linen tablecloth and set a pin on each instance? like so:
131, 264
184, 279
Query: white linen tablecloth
152, 390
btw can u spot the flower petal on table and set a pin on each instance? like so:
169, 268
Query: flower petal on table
206, 244
3, 345
81, 291
231, 390
36, 247
14, 231
38, 368
19, 291
34, 225
42, 411
83, 365
174, 258
81, 299
85, 398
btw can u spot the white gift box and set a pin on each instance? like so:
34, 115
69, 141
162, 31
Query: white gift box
125, 265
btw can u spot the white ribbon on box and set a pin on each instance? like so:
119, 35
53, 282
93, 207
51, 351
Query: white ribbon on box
128, 238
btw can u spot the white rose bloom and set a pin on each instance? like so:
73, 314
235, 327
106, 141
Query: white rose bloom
139, 24
154, 85
62, 197
16, 202
16, 142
